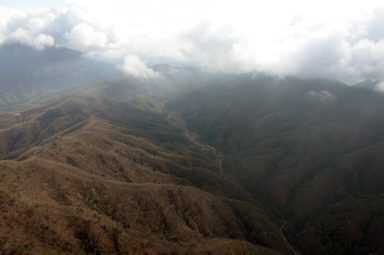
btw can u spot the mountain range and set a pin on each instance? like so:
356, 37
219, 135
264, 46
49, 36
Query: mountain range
189, 162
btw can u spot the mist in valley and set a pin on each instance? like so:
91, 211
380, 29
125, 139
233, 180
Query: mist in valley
194, 127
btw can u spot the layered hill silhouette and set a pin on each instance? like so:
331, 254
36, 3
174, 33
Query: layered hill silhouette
188, 162
29, 75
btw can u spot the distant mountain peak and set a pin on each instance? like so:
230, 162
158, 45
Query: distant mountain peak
368, 84
26, 71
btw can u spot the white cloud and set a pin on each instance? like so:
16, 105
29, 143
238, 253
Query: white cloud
323, 96
36, 24
212, 47
43, 40
380, 87
296, 37
84, 36
24, 36
135, 67
367, 58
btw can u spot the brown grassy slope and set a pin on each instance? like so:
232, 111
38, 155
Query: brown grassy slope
74, 183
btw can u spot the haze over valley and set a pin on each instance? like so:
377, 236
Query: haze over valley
217, 137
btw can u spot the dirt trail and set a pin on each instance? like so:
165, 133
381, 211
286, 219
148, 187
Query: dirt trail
286, 241
194, 139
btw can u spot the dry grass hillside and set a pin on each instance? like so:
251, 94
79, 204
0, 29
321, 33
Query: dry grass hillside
85, 175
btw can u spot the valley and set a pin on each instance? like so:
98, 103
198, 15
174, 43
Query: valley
76, 178
191, 163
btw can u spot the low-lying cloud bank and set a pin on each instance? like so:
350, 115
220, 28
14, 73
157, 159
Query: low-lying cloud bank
350, 50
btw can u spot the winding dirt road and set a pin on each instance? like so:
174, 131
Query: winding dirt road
194, 140
286, 241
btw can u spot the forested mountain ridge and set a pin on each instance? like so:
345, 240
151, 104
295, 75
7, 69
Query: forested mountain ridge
188, 162
93, 174
308, 148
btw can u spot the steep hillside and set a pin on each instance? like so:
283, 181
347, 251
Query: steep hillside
310, 149
92, 174
192, 163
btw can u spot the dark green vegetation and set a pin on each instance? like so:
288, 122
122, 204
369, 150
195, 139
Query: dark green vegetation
310, 150
195, 163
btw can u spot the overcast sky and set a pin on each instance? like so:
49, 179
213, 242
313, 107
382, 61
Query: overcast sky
337, 39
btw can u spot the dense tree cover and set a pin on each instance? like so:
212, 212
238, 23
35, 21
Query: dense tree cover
301, 146
301, 154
